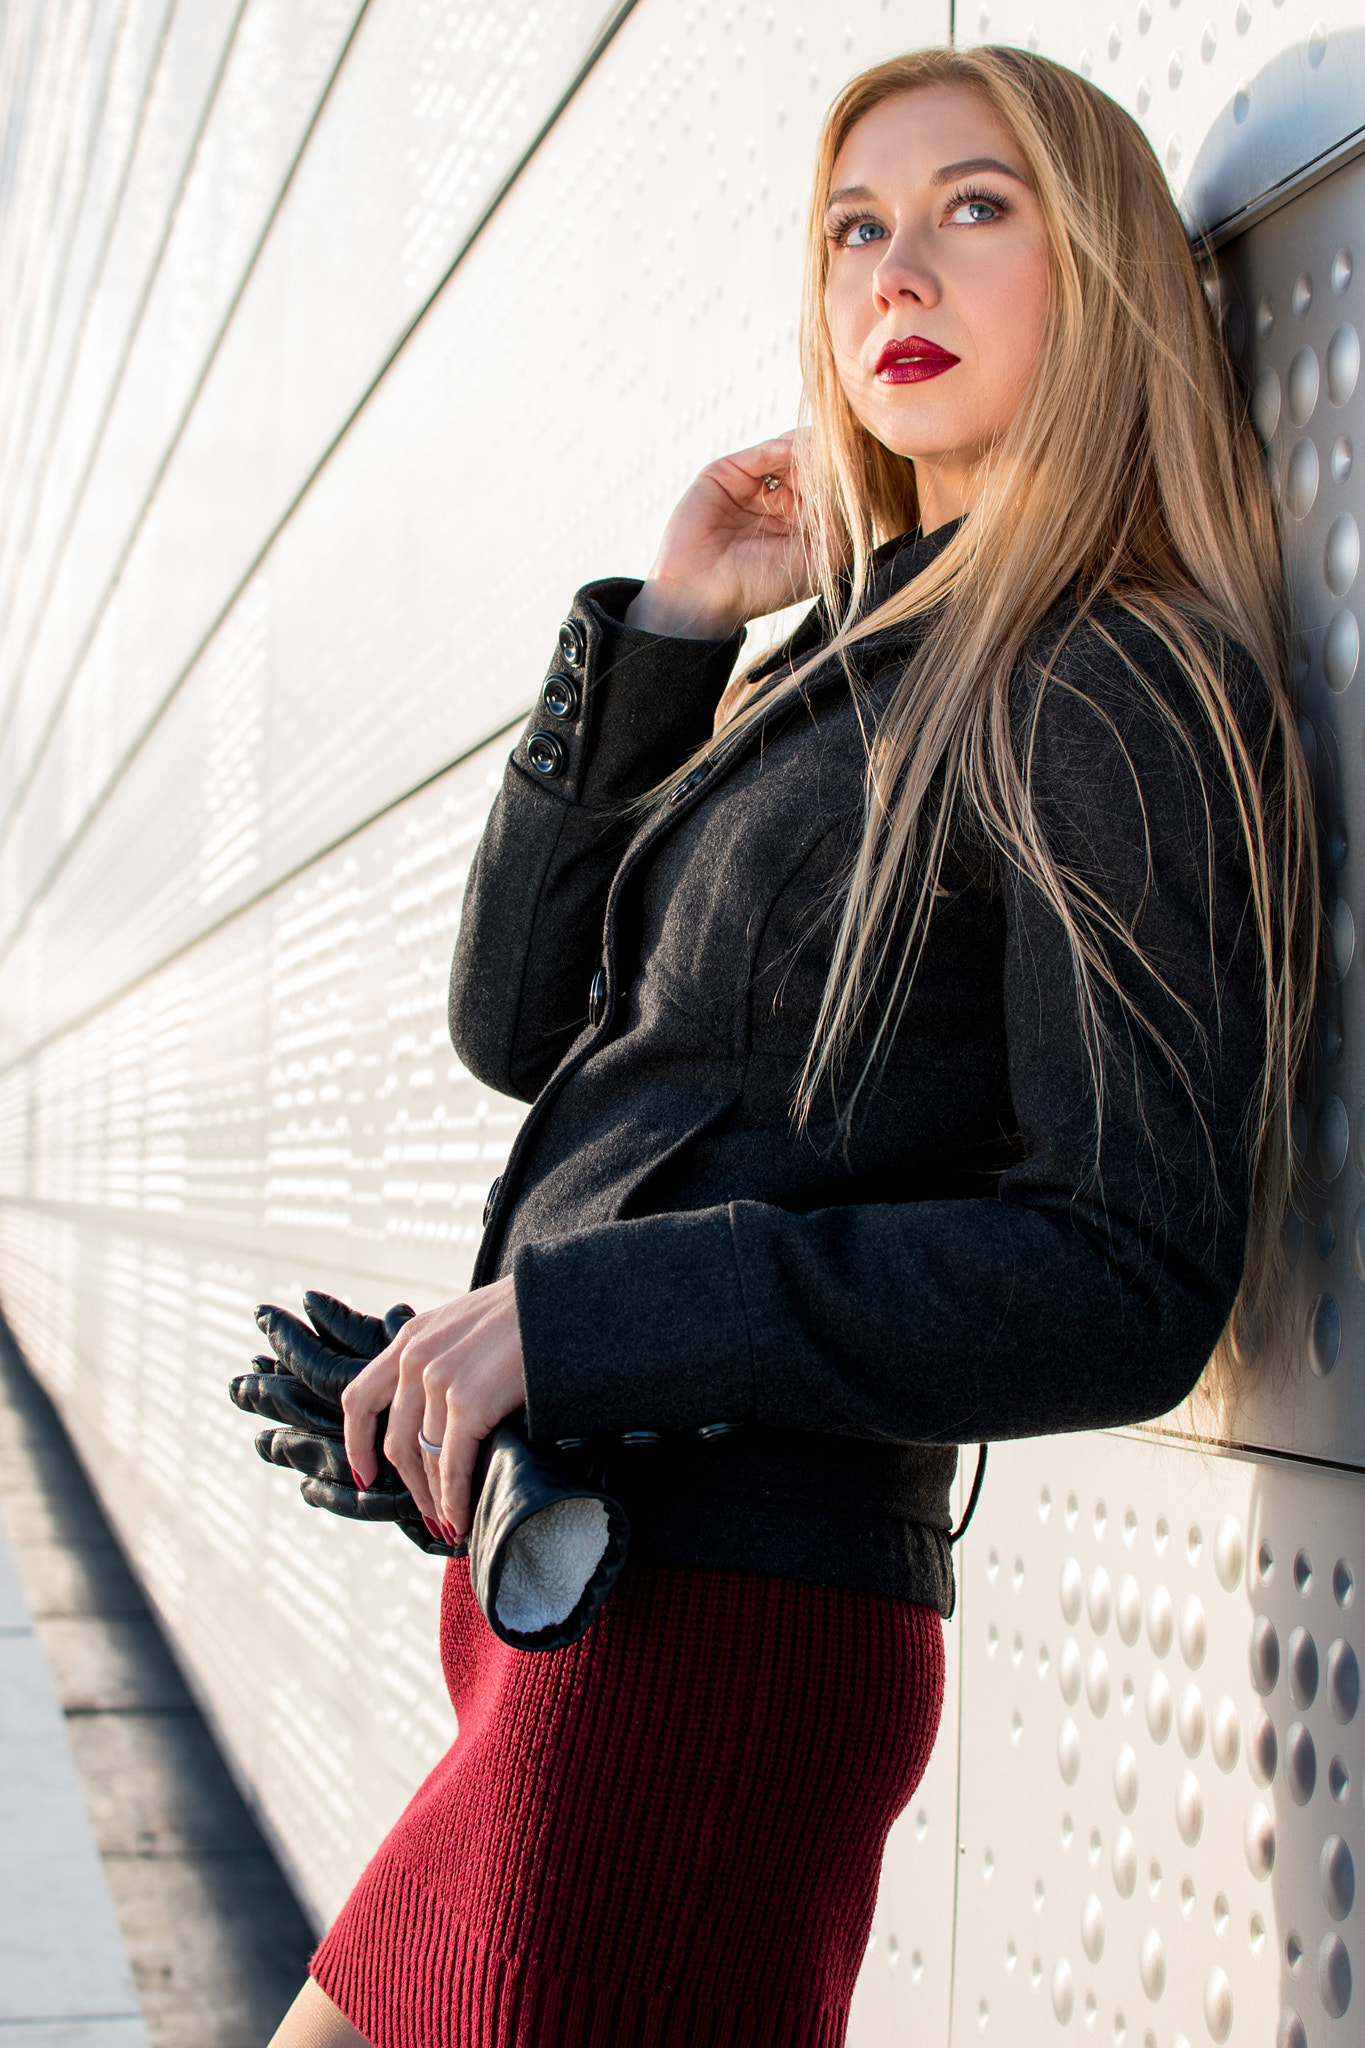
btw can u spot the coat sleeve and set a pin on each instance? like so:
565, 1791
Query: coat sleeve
1089, 1290
531, 923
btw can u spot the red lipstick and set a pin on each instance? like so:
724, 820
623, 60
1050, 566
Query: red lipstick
913, 361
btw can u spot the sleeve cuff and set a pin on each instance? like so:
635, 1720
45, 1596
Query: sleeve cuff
635, 1325
620, 709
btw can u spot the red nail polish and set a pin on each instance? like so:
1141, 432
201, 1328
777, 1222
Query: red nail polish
434, 1528
359, 1482
449, 1533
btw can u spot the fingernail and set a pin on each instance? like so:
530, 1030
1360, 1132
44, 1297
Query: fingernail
434, 1529
359, 1482
449, 1533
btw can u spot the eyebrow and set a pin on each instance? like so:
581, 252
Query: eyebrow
948, 175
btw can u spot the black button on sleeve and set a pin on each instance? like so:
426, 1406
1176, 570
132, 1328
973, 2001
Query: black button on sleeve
561, 696
546, 753
573, 644
492, 1197
597, 998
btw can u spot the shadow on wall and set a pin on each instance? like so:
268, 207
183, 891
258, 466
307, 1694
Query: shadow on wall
1306, 100
1304, 1835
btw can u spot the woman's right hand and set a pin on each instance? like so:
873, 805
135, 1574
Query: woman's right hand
735, 548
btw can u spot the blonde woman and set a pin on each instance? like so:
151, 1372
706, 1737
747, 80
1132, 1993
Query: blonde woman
909, 1021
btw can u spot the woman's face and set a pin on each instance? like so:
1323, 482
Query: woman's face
937, 292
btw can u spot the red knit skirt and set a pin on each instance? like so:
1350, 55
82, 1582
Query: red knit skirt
668, 1835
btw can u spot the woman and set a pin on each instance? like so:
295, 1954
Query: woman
910, 1021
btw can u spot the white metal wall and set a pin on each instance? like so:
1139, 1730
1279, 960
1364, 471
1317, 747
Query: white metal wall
312, 415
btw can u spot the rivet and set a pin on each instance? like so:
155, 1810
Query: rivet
1300, 1763
1263, 1749
1258, 1840
1343, 364
1343, 1681
1302, 1664
1341, 554
1334, 1128
1228, 1554
1218, 2005
1063, 1991
1152, 1964
1069, 1671
1097, 1684
1337, 1876
1160, 1620
1265, 401
1194, 1633
1324, 1335
1099, 1601
1069, 1752
1226, 1740
1334, 1975
1189, 1721
1158, 1707
1341, 652
1291, 2032
1301, 478
1070, 1589
1128, 1610
1189, 1809
1092, 1928
1302, 386
1123, 1862
1126, 1779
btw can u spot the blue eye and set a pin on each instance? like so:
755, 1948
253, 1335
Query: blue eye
853, 232
975, 209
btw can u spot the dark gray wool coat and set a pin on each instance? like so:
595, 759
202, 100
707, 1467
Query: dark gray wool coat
684, 1255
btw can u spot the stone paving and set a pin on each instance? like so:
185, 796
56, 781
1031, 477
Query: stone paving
139, 1905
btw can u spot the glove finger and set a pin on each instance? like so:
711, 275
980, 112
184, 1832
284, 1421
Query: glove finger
300, 1350
279, 1397
369, 1506
316, 1456
418, 1533
348, 1329
395, 1318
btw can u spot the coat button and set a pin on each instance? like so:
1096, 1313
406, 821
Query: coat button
545, 753
492, 1197
561, 696
689, 783
573, 643
597, 998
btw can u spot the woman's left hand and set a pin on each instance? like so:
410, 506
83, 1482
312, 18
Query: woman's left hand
452, 1373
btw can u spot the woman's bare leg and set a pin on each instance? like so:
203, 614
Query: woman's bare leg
312, 2021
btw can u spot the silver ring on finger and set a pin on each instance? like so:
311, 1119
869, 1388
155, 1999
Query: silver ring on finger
424, 1443
771, 482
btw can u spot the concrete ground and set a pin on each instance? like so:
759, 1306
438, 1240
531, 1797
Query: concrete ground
216, 1940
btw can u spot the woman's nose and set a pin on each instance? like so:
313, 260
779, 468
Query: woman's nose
902, 277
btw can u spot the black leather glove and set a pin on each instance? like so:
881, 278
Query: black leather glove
300, 1388
544, 1549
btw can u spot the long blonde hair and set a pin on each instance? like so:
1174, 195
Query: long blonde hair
1131, 474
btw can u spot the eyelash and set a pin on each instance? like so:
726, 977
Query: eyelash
965, 195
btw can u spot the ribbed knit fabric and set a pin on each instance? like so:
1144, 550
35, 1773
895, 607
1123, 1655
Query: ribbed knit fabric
667, 1835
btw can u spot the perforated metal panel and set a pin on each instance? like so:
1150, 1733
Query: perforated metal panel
1161, 1748
225, 1068
1235, 95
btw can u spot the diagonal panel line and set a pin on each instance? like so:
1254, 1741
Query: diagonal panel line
59, 554
59, 702
96, 279
596, 49
261, 895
